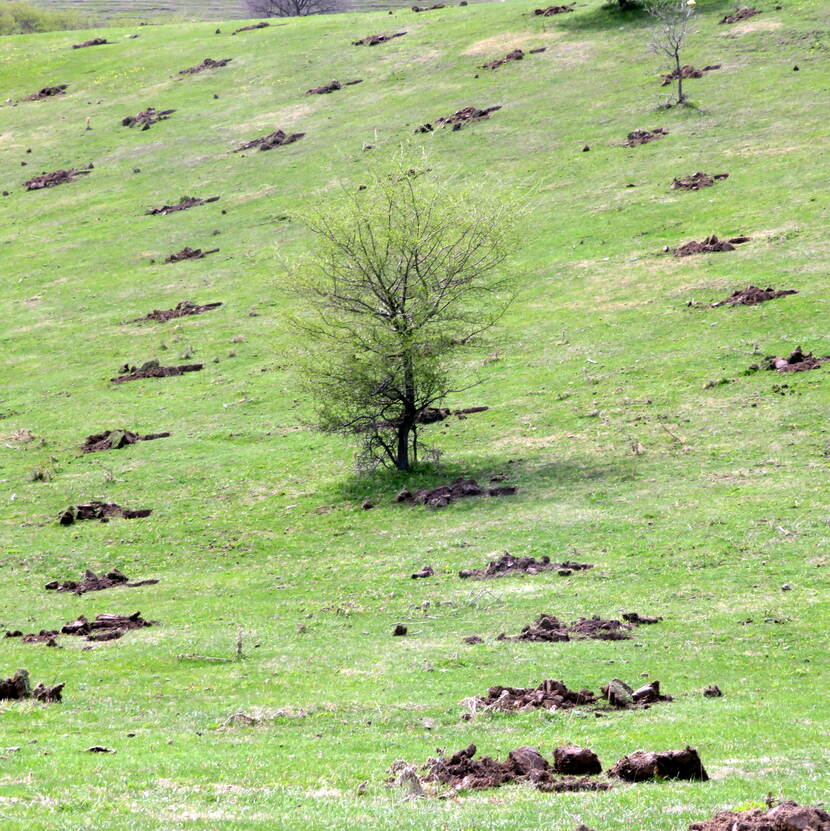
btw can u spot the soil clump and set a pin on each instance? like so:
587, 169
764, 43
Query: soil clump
685, 72
374, 40
740, 14
276, 139
146, 118
643, 765
752, 296
786, 816
116, 439
105, 627
19, 687
427, 8
56, 177
797, 361
102, 511
152, 369
551, 11
441, 496
549, 695
47, 636
548, 628
637, 137
466, 115
207, 63
332, 86
189, 254
183, 204
93, 42
618, 694
508, 564
92, 582
515, 55
426, 571
697, 181
708, 245
46, 92
183, 309
261, 25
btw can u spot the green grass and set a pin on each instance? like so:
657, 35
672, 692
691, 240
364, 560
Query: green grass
257, 518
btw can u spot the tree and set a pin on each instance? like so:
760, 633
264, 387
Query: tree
404, 274
674, 23
291, 8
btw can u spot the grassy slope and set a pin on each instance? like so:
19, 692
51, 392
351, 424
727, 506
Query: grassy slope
257, 520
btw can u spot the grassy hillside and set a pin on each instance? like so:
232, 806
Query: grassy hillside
695, 502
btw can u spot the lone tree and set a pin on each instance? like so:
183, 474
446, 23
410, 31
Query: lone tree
292, 8
403, 275
674, 23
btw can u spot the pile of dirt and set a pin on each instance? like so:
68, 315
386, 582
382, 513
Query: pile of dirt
697, 181
524, 764
787, 816
56, 177
508, 564
332, 86
740, 14
92, 582
466, 115
549, 695
276, 139
116, 439
207, 63
93, 42
105, 627
643, 765
548, 628
146, 118
637, 137
152, 369
102, 511
618, 694
46, 92
441, 496
550, 11
515, 55
429, 415
427, 8
709, 245
685, 72
426, 571
183, 309
183, 204
47, 636
189, 254
18, 687
796, 361
374, 40
261, 25
752, 296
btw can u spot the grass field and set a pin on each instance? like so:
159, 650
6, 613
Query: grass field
695, 503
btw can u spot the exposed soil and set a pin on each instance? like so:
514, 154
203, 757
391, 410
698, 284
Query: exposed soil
374, 40
740, 14
276, 139
709, 245
207, 63
426, 571
146, 118
19, 687
429, 415
46, 92
189, 254
515, 55
183, 204
92, 582
467, 115
183, 309
116, 439
550, 11
670, 764
47, 636
752, 296
685, 72
797, 361
549, 695
618, 694
508, 564
548, 628
332, 86
102, 511
787, 816
637, 137
427, 8
93, 42
697, 181
56, 177
712, 691
152, 369
261, 25
105, 627
441, 496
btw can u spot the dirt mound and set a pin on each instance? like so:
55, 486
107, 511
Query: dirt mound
427, 8
426, 571
466, 115
788, 816
93, 582
183, 204
548, 628
261, 25
183, 309
709, 245
93, 42
740, 14
752, 296
670, 764
441, 496
102, 511
19, 687
46, 636
797, 361
515, 55
146, 118
105, 627
549, 695
189, 254
508, 564
685, 72
207, 63
374, 40
276, 139
46, 92
152, 369
550, 11
116, 439
618, 694
697, 181
56, 177
332, 86
637, 137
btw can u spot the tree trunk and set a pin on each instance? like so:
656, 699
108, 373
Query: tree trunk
402, 462
402, 455
679, 78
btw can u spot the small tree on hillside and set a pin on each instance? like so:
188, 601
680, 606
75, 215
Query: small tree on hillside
674, 23
402, 276
292, 8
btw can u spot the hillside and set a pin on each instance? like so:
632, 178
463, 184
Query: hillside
622, 413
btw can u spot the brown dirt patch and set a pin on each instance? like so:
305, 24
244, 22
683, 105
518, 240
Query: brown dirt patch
92, 582
637, 137
548, 628
93, 42
102, 511
643, 765
276, 139
709, 245
47, 636
105, 627
152, 369
787, 816
507, 564
146, 118
46, 92
441, 496
740, 14
56, 177
428, 8
116, 439
551, 11
189, 254
184, 204
752, 296
183, 309
207, 63
18, 687
466, 115
796, 361
332, 86
549, 695
618, 694
374, 40
426, 571
515, 55
697, 181
261, 25
429, 415
685, 72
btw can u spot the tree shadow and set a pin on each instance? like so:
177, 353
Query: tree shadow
610, 16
